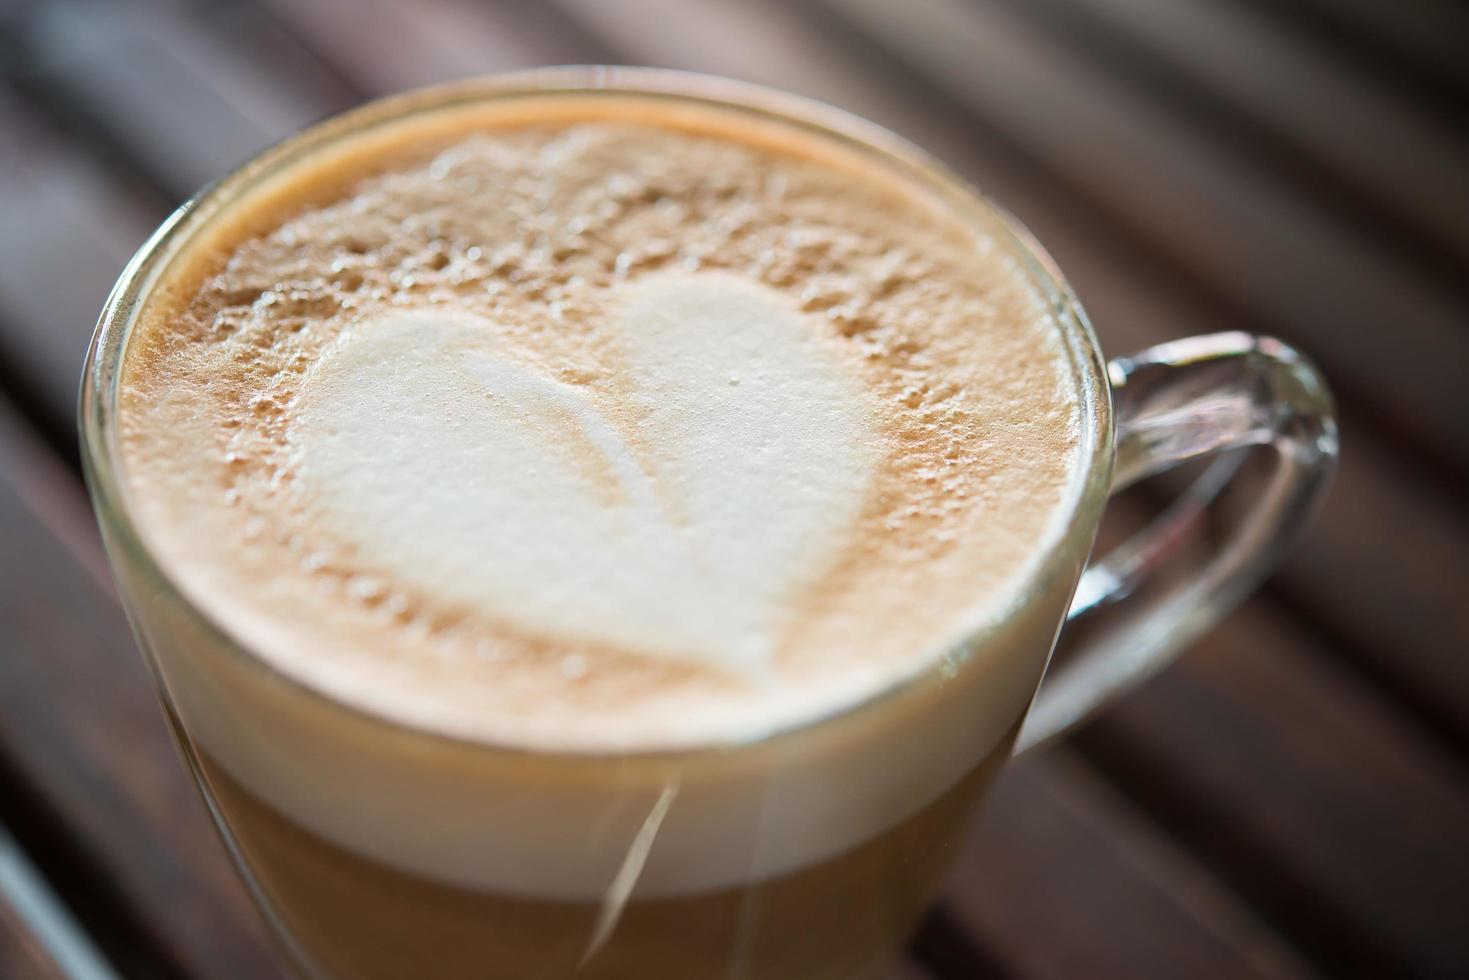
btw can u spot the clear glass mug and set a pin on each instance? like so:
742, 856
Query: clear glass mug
378, 850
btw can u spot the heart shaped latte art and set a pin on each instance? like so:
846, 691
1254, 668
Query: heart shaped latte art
684, 524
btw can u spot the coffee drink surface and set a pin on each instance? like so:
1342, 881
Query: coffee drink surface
601, 427
603, 434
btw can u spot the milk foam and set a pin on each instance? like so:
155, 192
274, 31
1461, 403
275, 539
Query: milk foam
582, 443
679, 521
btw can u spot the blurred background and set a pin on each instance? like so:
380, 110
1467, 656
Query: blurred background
1290, 800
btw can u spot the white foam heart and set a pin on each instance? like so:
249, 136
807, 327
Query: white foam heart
685, 523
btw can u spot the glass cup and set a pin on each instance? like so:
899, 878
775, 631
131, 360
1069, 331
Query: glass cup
374, 849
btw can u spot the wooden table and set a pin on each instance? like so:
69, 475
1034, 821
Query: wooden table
1291, 800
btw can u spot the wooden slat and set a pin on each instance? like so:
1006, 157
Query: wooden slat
22, 955
1307, 793
265, 46
760, 42
94, 787
1382, 330
1066, 878
39, 937
68, 230
1417, 44
1298, 98
387, 46
1380, 570
908, 970
121, 68
943, 948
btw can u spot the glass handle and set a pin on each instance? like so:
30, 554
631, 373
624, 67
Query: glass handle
1218, 394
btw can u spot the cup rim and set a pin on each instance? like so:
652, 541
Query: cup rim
102, 458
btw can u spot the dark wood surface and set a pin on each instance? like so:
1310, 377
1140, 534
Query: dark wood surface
1290, 800
24, 955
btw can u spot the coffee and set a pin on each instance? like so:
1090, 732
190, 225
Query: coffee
566, 458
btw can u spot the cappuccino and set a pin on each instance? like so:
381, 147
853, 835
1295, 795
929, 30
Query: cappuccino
563, 460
